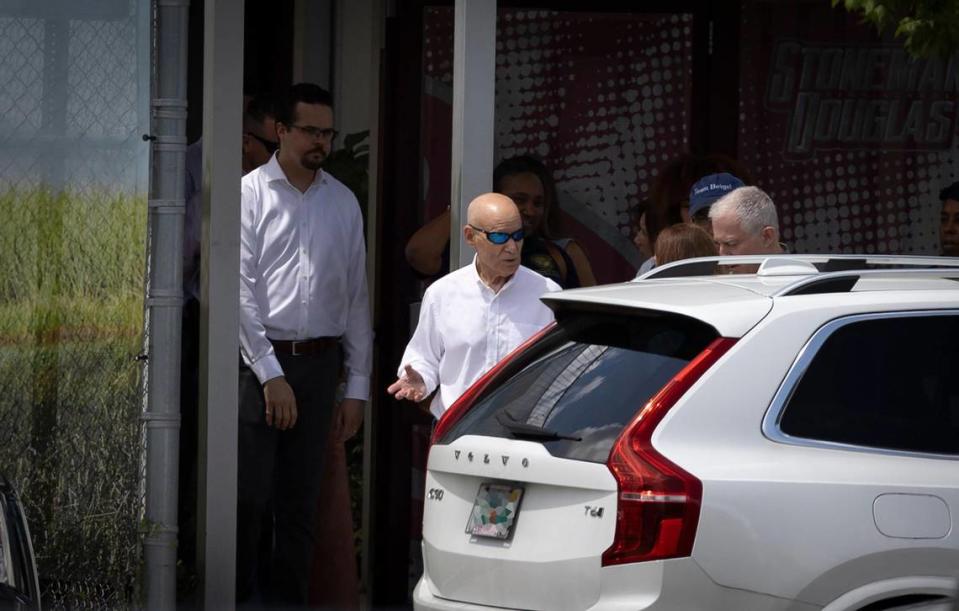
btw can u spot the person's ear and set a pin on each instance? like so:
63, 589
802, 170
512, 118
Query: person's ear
770, 235
469, 234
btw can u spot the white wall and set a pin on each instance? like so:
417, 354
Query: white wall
312, 44
358, 38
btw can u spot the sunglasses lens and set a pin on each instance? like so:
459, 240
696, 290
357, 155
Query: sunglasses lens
518, 235
497, 237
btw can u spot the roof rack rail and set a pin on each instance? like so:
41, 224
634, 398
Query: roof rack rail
824, 263
839, 282
845, 281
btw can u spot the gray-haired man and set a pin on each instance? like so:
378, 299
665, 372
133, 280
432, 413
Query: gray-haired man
745, 223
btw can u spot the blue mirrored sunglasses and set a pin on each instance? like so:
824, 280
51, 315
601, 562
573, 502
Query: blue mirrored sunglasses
501, 237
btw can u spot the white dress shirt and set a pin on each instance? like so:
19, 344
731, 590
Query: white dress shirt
465, 328
302, 272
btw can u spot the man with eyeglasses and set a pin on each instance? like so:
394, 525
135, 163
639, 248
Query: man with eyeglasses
259, 142
473, 317
303, 299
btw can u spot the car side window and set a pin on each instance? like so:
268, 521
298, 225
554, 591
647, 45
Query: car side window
882, 382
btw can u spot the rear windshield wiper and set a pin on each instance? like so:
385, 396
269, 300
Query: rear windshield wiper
529, 431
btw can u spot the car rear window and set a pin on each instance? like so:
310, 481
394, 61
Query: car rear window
586, 380
885, 382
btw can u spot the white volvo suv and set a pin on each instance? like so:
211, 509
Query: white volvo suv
787, 439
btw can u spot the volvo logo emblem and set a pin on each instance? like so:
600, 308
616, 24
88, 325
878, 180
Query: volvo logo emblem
487, 459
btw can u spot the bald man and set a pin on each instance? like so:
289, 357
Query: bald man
473, 317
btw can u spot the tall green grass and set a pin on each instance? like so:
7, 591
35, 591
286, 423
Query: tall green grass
77, 256
71, 319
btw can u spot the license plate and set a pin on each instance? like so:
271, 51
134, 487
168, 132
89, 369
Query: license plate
494, 511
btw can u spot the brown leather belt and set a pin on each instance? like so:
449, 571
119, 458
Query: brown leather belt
304, 347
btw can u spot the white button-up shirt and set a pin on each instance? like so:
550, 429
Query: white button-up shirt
465, 328
302, 272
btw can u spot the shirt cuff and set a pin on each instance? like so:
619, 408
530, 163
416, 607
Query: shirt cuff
267, 368
357, 387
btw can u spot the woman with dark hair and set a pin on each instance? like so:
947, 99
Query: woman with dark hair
526, 181
640, 235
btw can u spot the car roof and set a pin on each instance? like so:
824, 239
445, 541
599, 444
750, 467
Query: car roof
735, 303
728, 307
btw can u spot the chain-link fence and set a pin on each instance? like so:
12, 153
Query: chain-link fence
73, 168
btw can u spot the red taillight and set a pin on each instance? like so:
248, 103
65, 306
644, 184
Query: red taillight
462, 405
658, 502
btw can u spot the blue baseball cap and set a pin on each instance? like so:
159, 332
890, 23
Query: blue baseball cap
710, 188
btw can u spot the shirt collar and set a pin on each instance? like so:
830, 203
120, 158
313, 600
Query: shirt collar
476, 278
274, 171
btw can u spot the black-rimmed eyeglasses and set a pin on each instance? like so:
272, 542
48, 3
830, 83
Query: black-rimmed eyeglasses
321, 133
501, 237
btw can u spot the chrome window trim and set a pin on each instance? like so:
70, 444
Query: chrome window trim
771, 425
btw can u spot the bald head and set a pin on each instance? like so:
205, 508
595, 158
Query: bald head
491, 217
491, 208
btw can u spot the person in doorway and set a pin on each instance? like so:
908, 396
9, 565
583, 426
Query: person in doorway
259, 142
258, 145
683, 241
669, 201
428, 250
949, 221
526, 181
745, 223
705, 192
473, 317
640, 234
303, 299
529, 184
641, 239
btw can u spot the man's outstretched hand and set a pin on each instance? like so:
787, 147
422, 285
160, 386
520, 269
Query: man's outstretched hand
409, 386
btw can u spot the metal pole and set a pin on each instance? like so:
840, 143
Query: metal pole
377, 43
220, 299
165, 301
474, 88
